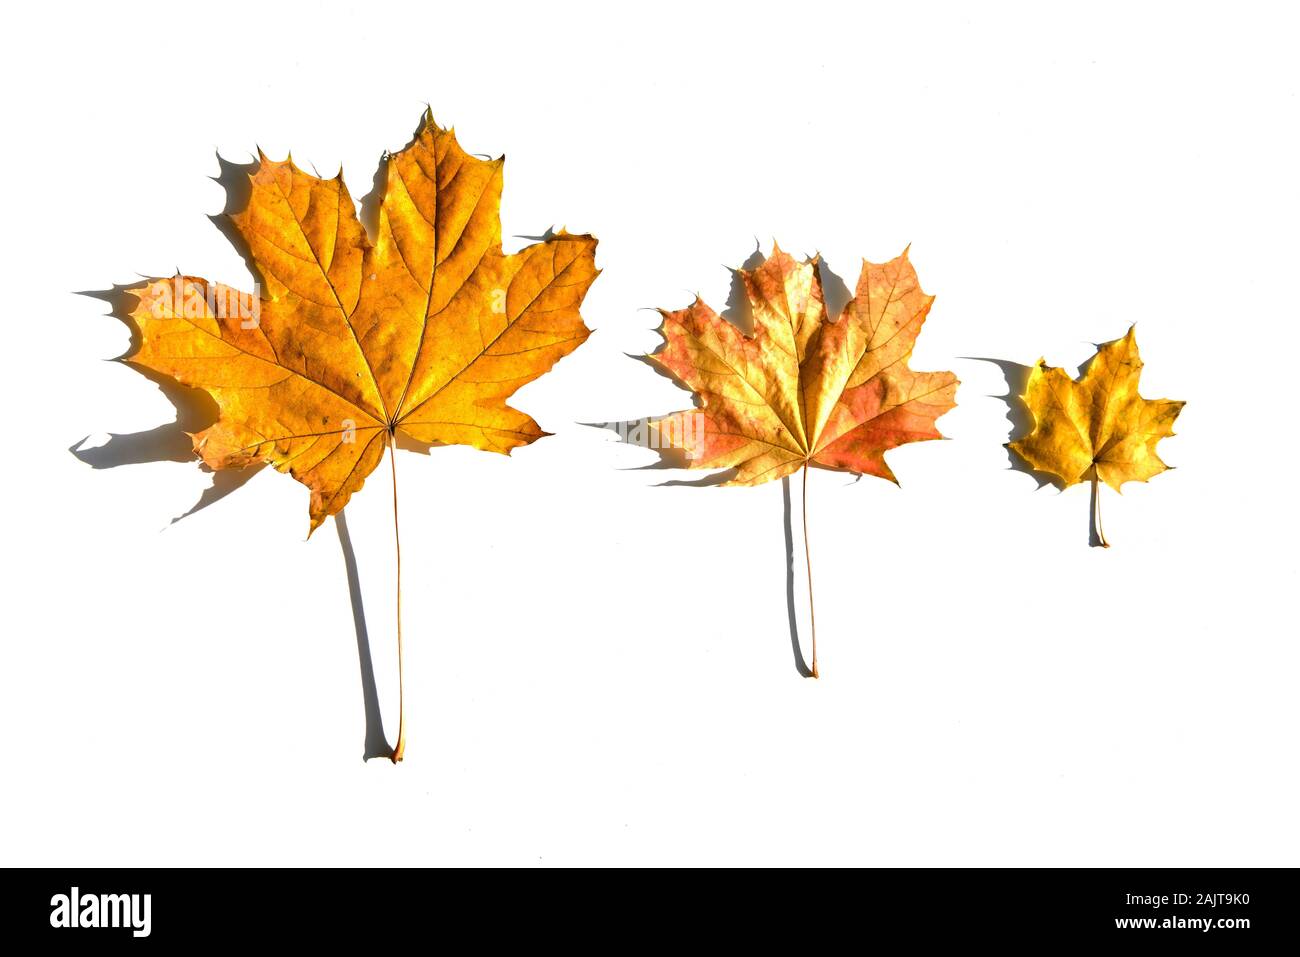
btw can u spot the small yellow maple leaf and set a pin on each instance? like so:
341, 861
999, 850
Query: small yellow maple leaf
425, 331
1097, 426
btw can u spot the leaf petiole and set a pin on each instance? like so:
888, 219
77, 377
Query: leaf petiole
807, 552
1096, 510
397, 542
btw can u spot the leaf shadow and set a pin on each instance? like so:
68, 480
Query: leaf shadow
787, 508
376, 742
1019, 416
1022, 423
236, 180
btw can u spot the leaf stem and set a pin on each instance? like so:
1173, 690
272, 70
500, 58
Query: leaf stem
1096, 510
397, 542
807, 552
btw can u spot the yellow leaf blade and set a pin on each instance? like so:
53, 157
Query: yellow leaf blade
1097, 422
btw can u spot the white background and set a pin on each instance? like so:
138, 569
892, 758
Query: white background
599, 669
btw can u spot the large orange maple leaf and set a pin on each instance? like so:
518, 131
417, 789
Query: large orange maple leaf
425, 331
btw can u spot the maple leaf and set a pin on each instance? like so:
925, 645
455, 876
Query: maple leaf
803, 389
425, 331
1096, 427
